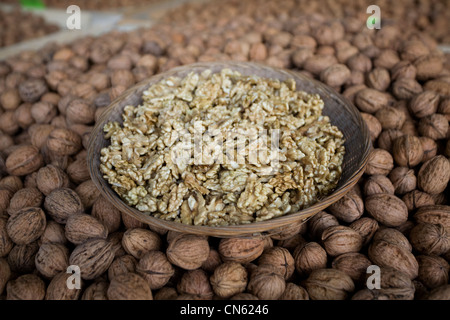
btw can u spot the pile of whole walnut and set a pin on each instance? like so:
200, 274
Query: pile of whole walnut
397, 217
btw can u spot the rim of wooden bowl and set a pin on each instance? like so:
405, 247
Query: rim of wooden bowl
276, 225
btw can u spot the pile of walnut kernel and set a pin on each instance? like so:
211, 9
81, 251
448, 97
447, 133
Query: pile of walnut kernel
222, 149
396, 217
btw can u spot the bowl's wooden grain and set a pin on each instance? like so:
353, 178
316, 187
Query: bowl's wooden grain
341, 112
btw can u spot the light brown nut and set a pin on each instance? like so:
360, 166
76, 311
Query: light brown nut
429, 238
366, 227
195, 283
434, 126
279, 257
53, 233
416, 199
93, 257
407, 151
214, 260
329, 284
27, 225
51, 259
354, 264
188, 251
393, 236
26, 197
24, 160
387, 209
139, 241
370, 100
319, 222
229, 279
59, 290
433, 271
120, 265
266, 283
380, 162
61, 203
107, 214
129, 286
26, 287
439, 293
241, 249
294, 292
155, 268
341, 239
88, 193
96, 291
63, 141
435, 214
350, 207
308, 257
81, 227
166, 293
424, 104
403, 180
378, 184
434, 175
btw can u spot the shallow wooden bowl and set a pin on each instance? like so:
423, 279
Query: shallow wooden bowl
341, 112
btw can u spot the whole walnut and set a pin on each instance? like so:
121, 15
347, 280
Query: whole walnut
196, 283
80, 111
370, 100
188, 251
393, 236
213, 261
229, 279
378, 79
155, 268
81, 227
429, 238
387, 209
32, 89
93, 257
294, 292
406, 88
366, 227
434, 126
335, 75
63, 141
24, 160
279, 257
26, 197
88, 193
107, 214
390, 117
96, 291
23, 117
319, 222
354, 264
286, 232
385, 254
39, 134
129, 286
292, 242
11, 184
373, 124
26, 287
387, 137
120, 265
166, 293
378, 184
53, 233
241, 249
51, 177
308, 257
407, 150
403, 69
433, 270
51, 259
329, 284
428, 66
43, 112
10, 99
403, 180
131, 222
341, 239
139, 241
416, 199
424, 104
61, 203
434, 214
266, 283
380, 162
350, 207
434, 175
26, 225
21, 258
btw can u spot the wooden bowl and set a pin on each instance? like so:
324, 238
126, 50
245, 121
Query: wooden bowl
341, 112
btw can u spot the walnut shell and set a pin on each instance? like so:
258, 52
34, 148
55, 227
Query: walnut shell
51, 177
385, 254
229, 279
434, 175
433, 270
266, 283
188, 251
406, 88
26, 287
373, 124
434, 126
166, 293
58, 289
380, 162
80, 111
212, 262
51, 259
287, 232
21, 257
43, 112
393, 236
294, 292
308, 257
81, 227
61, 203
329, 284
350, 207
430, 148
88, 193
93, 257
387, 209
416, 199
31, 90
107, 214
354, 264
439, 293
24, 160
139, 241
378, 184
429, 238
341, 239
424, 104
53, 233
155, 268
244, 296
196, 283
62, 141
241, 249
26, 197
27, 225
403, 180
120, 265
279, 257
366, 227
435, 214
390, 117
96, 291
335, 75
407, 151
369, 100
386, 138
319, 222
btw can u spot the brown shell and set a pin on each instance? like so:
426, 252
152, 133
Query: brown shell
429, 238
61, 203
308, 257
280, 258
107, 214
155, 268
27, 225
266, 283
350, 207
139, 241
26, 287
433, 271
366, 227
354, 264
434, 175
6, 243
196, 283
294, 292
24, 160
120, 265
229, 279
241, 249
81, 227
341, 239
319, 222
435, 214
387, 209
63, 141
51, 177
21, 257
329, 284
26, 197
96, 291
51, 259
188, 251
